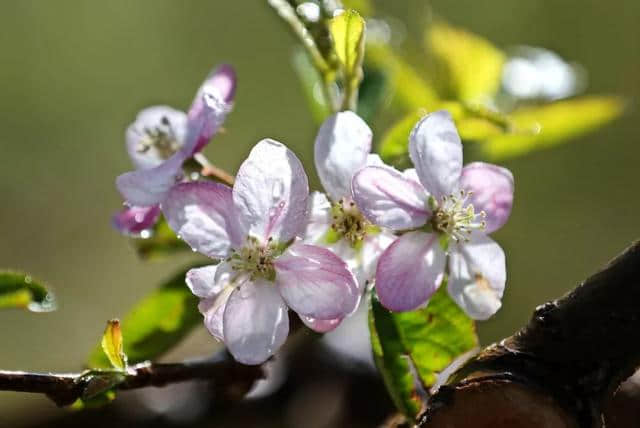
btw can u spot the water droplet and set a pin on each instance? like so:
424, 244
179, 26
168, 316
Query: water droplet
145, 234
28, 279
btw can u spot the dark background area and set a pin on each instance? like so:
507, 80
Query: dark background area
73, 74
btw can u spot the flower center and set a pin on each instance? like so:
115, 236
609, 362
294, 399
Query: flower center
348, 222
162, 138
456, 218
255, 259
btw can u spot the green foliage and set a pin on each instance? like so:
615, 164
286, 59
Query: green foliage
411, 348
469, 66
539, 127
347, 31
112, 345
157, 323
20, 290
162, 243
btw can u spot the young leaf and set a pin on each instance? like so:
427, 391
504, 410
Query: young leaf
157, 323
20, 290
112, 345
539, 127
412, 348
469, 64
161, 243
347, 32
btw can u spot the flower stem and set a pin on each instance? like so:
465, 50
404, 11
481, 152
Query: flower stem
210, 170
287, 12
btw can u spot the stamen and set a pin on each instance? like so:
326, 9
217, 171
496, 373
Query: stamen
457, 218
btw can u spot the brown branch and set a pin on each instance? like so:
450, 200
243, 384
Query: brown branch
210, 170
231, 380
562, 368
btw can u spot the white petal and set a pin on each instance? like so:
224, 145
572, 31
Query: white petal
201, 281
389, 199
477, 276
319, 218
212, 308
256, 322
315, 282
156, 119
271, 192
436, 152
202, 214
410, 271
372, 248
341, 149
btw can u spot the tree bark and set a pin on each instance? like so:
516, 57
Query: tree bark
561, 369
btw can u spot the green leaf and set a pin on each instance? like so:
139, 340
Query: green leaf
470, 65
411, 348
157, 323
162, 242
545, 126
112, 345
20, 290
410, 89
365, 7
347, 31
394, 145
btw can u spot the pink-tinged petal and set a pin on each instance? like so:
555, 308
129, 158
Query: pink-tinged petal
133, 220
212, 103
318, 218
213, 285
374, 160
436, 152
150, 122
202, 281
410, 271
492, 192
321, 326
255, 322
212, 309
341, 149
389, 199
271, 191
147, 187
477, 275
315, 282
202, 214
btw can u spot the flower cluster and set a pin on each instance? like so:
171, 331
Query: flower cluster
278, 248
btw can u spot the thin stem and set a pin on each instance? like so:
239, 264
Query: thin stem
287, 12
231, 379
210, 170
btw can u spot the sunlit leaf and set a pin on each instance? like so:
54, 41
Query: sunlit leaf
540, 127
412, 348
112, 345
157, 323
160, 243
100, 384
409, 87
311, 86
470, 65
347, 31
20, 290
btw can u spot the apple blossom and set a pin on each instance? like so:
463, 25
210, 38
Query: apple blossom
342, 147
263, 269
161, 139
445, 211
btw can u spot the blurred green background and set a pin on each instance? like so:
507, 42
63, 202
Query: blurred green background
73, 74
